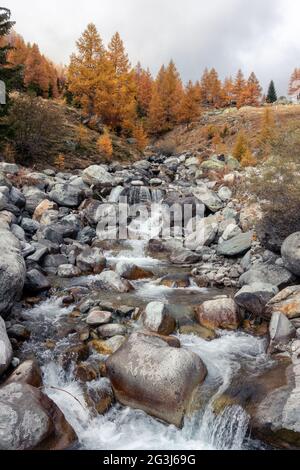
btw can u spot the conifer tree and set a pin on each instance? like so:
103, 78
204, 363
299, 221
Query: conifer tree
271, 95
157, 117
239, 88
189, 105
144, 84
228, 91
252, 93
9, 75
36, 76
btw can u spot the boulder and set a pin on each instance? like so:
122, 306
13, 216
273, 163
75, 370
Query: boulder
157, 318
225, 193
208, 197
66, 195
36, 282
12, 269
68, 271
269, 274
131, 271
91, 260
97, 175
213, 164
231, 230
254, 298
6, 351
286, 302
43, 206
86, 235
34, 197
249, 216
236, 246
17, 198
201, 232
281, 330
185, 257
29, 420
109, 280
219, 313
28, 373
198, 330
149, 375
290, 252
112, 329
100, 397
108, 347
98, 317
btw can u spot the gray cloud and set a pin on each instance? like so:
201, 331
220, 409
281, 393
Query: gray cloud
227, 34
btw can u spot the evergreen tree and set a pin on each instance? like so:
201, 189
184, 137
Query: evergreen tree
9, 75
272, 95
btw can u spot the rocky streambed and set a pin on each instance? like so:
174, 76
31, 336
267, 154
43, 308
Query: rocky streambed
150, 342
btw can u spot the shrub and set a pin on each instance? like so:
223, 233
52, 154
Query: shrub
277, 187
82, 136
241, 147
36, 126
248, 159
59, 161
141, 137
104, 145
9, 153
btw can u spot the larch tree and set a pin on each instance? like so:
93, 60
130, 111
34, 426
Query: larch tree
171, 92
157, 118
88, 73
189, 109
239, 89
228, 91
144, 84
36, 77
252, 92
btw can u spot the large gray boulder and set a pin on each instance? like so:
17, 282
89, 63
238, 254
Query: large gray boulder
148, 374
12, 269
201, 232
66, 195
269, 274
237, 245
208, 197
255, 297
30, 420
34, 197
91, 260
290, 252
98, 176
5, 348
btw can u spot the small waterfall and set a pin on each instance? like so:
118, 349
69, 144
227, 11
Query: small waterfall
138, 195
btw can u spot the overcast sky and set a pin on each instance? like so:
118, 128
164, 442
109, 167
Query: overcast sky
259, 35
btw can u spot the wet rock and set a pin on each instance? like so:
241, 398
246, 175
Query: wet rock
286, 302
6, 352
281, 330
185, 257
132, 272
66, 195
100, 397
29, 373
29, 420
175, 281
109, 280
74, 354
290, 252
157, 318
12, 269
18, 332
91, 260
85, 372
108, 347
198, 330
237, 245
269, 274
36, 282
54, 261
149, 375
68, 271
98, 317
254, 298
111, 330
171, 341
219, 313
98, 176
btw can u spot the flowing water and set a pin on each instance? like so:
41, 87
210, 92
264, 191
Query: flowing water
124, 428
